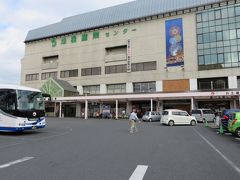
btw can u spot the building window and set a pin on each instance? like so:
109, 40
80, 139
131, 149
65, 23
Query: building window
218, 37
213, 84
48, 75
94, 89
116, 69
91, 71
32, 77
144, 87
116, 88
145, 66
69, 73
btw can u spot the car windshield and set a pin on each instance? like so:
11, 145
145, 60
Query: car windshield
29, 100
196, 112
146, 113
165, 113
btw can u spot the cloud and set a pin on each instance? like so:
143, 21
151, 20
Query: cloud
20, 16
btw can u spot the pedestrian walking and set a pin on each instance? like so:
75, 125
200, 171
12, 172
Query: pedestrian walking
133, 121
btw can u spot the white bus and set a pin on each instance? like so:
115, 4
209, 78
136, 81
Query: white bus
21, 108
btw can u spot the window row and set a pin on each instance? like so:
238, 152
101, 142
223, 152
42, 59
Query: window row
221, 58
91, 71
121, 88
219, 13
145, 66
219, 36
213, 83
218, 50
218, 28
232, 44
227, 22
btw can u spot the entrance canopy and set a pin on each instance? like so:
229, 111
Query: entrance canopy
58, 88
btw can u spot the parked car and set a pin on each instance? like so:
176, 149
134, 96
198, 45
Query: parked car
202, 115
234, 124
226, 115
176, 116
151, 116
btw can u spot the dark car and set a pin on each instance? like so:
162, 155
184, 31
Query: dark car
226, 115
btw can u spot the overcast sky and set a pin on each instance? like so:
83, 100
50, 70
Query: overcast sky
20, 16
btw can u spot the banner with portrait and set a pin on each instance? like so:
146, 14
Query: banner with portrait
174, 42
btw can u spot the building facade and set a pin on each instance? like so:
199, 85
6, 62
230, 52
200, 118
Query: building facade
148, 55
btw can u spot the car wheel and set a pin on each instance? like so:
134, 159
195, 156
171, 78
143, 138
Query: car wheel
171, 123
150, 120
237, 132
193, 123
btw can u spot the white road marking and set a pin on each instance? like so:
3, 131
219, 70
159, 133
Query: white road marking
15, 162
139, 173
235, 167
237, 139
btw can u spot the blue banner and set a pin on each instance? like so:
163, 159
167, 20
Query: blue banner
174, 43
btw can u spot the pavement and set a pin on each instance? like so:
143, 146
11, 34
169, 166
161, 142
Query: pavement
103, 149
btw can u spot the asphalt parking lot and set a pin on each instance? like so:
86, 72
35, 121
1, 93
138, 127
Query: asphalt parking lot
94, 149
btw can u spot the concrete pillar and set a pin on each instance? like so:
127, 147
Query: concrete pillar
78, 109
103, 89
80, 90
116, 109
193, 85
159, 86
235, 104
192, 103
151, 104
86, 109
129, 107
100, 108
60, 109
129, 87
55, 109
232, 82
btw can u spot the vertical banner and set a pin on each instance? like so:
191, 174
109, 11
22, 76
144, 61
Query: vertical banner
174, 42
129, 55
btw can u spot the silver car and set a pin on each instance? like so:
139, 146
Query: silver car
203, 114
151, 116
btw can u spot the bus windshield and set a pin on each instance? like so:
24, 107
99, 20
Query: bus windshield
29, 100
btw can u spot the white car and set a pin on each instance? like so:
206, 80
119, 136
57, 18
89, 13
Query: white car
176, 116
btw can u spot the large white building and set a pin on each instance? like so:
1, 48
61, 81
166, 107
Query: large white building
146, 54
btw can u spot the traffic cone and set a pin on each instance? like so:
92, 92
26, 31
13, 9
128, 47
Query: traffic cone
206, 123
221, 131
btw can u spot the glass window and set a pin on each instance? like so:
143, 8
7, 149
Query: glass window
226, 35
206, 38
147, 66
200, 38
213, 59
219, 36
7, 100
207, 59
218, 14
144, 87
212, 37
234, 56
201, 60
231, 12
220, 58
227, 57
233, 34
205, 16
199, 17
211, 15
237, 10
238, 33
224, 13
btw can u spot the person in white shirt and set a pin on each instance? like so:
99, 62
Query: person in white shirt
133, 119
